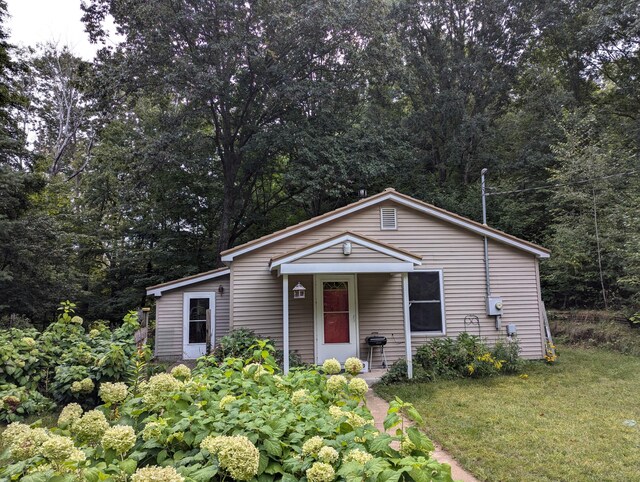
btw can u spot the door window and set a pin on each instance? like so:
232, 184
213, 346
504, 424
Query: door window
198, 320
336, 311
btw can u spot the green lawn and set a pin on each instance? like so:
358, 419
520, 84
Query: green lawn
565, 422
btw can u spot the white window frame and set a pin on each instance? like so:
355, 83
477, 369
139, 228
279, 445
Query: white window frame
442, 305
395, 218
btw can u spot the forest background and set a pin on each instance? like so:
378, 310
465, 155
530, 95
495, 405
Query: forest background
215, 122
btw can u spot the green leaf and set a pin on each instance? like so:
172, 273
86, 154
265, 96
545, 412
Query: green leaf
162, 456
204, 474
414, 416
273, 447
128, 466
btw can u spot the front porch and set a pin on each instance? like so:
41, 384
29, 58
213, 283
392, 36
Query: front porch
339, 292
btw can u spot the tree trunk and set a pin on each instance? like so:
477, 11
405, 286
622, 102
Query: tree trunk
230, 168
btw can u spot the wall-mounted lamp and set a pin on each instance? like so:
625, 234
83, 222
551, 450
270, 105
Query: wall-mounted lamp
299, 291
362, 193
346, 248
220, 289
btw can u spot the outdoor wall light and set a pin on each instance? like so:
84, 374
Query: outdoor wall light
220, 289
346, 248
299, 291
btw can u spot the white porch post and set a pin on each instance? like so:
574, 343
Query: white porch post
407, 323
285, 323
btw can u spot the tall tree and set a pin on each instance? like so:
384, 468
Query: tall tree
260, 73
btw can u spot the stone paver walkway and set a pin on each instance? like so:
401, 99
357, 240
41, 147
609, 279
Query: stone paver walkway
379, 407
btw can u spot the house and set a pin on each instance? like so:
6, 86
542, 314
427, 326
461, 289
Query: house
389, 265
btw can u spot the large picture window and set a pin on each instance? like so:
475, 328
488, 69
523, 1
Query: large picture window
425, 301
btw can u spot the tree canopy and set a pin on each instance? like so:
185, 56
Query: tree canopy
214, 122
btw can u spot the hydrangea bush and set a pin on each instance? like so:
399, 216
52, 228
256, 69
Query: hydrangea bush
234, 421
64, 363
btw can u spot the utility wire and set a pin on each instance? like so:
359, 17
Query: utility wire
550, 186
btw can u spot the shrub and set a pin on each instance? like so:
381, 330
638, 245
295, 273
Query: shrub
19, 402
465, 356
65, 362
260, 433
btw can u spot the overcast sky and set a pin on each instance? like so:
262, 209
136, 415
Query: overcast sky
39, 21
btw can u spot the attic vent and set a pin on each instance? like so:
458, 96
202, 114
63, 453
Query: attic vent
388, 218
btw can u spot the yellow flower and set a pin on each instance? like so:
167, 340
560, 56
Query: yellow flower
159, 387
300, 396
60, 449
91, 426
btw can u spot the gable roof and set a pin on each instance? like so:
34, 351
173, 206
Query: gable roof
157, 290
359, 239
388, 195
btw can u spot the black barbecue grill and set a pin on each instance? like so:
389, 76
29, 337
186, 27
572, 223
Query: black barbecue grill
377, 341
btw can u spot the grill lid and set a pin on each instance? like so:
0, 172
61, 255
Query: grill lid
376, 340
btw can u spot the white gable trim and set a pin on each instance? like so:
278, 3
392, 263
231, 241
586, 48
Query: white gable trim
341, 239
346, 268
179, 284
391, 196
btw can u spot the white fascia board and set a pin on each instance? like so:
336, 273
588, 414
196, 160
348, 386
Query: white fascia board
331, 268
400, 200
157, 292
341, 239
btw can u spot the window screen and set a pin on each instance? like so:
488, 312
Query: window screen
425, 303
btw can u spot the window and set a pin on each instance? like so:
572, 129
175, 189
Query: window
388, 218
198, 320
426, 308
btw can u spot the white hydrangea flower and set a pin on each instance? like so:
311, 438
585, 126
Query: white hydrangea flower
312, 446
159, 387
120, 438
331, 366
153, 473
237, 455
226, 400
300, 396
58, 448
181, 372
359, 456
328, 455
358, 386
353, 365
336, 383
91, 426
113, 392
320, 472
69, 415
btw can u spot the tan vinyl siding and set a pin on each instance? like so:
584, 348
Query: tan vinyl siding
380, 311
301, 337
257, 302
359, 254
169, 316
